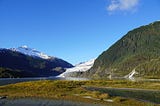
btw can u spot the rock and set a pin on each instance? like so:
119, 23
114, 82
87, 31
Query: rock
3, 97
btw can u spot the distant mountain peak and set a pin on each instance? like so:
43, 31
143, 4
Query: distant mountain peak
31, 52
24, 46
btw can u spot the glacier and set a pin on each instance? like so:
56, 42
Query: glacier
81, 67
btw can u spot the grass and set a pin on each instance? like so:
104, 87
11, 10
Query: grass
154, 85
75, 90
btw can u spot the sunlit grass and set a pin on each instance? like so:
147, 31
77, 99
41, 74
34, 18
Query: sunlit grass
75, 90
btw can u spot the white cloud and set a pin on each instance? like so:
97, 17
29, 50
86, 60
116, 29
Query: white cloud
122, 5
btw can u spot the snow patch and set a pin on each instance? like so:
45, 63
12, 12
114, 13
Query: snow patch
31, 52
131, 74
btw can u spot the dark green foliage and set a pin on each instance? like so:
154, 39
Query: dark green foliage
10, 73
15, 64
137, 49
149, 69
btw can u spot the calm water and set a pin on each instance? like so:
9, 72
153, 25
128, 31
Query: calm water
42, 102
5, 81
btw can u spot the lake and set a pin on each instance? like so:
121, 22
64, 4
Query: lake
5, 81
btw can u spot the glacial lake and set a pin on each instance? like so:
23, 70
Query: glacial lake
5, 81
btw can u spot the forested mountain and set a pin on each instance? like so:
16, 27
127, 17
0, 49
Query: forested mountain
139, 49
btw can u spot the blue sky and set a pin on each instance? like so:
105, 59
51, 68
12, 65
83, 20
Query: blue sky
74, 30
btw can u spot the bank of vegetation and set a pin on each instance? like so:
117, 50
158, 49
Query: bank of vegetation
76, 91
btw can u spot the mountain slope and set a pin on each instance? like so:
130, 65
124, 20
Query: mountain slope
79, 68
16, 64
139, 49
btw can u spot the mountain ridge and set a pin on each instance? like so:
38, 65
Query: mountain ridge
16, 64
135, 50
31, 52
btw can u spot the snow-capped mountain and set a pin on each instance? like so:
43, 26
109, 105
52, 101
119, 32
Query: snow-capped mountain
41, 65
81, 67
31, 52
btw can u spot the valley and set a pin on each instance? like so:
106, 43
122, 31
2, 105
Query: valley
79, 53
126, 74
